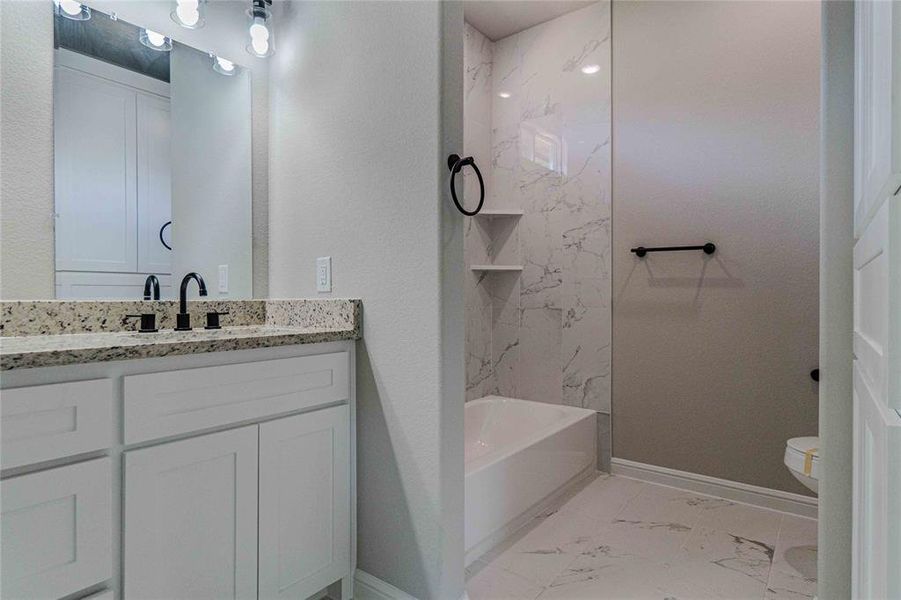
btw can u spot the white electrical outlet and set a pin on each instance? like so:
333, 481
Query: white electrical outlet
223, 279
324, 274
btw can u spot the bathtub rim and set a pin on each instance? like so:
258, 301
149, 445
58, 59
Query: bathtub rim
574, 414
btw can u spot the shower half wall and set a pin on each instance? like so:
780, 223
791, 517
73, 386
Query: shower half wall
537, 121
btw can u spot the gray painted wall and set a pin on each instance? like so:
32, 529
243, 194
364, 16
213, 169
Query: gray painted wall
715, 129
365, 106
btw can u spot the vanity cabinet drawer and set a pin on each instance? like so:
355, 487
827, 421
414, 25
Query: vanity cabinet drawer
44, 422
56, 527
164, 404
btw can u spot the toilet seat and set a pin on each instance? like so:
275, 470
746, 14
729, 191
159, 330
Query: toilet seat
796, 456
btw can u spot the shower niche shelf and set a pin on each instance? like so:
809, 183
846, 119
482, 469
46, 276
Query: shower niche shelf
497, 213
496, 268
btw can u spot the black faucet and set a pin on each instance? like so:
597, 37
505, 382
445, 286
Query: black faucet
152, 281
183, 319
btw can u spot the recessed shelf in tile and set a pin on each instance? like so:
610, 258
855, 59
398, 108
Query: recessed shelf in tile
496, 268
493, 213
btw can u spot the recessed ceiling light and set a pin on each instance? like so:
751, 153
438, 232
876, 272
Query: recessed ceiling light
504, 94
591, 69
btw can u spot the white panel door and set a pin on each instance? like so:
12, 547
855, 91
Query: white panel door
56, 531
876, 552
305, 535
95, 173
154, 184
191, 518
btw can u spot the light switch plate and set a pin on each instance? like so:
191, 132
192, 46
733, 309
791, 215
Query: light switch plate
223, 279
324, 274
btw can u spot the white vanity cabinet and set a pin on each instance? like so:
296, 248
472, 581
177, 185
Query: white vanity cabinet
56, 530
304, 510
225, 475
191, 518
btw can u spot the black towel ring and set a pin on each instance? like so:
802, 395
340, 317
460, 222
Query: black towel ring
456, 164
162, 229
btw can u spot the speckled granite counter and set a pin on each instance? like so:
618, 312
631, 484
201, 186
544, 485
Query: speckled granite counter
104, 338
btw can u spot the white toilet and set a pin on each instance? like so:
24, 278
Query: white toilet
803, 460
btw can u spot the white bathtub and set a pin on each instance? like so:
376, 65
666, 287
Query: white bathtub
518, 455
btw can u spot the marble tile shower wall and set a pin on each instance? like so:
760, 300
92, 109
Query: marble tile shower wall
544, 96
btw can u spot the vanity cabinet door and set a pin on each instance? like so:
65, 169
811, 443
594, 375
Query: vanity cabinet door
96, 181
305, 534
56, 531
191, 518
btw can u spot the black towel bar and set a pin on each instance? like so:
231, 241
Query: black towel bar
641, 251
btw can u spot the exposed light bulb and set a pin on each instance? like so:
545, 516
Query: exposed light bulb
225, 65
70, 7
157, 39
591, 69
504, 95
189, 15
259, 36
73, 10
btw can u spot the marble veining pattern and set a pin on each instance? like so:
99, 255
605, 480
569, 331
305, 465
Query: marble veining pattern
543, 334
622, 538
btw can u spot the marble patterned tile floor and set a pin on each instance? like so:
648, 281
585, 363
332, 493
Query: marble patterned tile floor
621, 538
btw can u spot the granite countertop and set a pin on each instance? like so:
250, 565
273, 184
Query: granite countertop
75, 348
276, 323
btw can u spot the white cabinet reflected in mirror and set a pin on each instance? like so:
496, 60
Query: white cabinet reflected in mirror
152, 161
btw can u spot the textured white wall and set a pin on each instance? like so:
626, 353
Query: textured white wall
836, 302
716, 122
26, 193
26, 150
361, 123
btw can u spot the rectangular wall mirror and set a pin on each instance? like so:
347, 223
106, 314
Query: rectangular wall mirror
152, 162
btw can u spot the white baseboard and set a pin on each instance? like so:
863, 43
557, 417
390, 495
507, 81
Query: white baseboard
370, 587
796, 504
